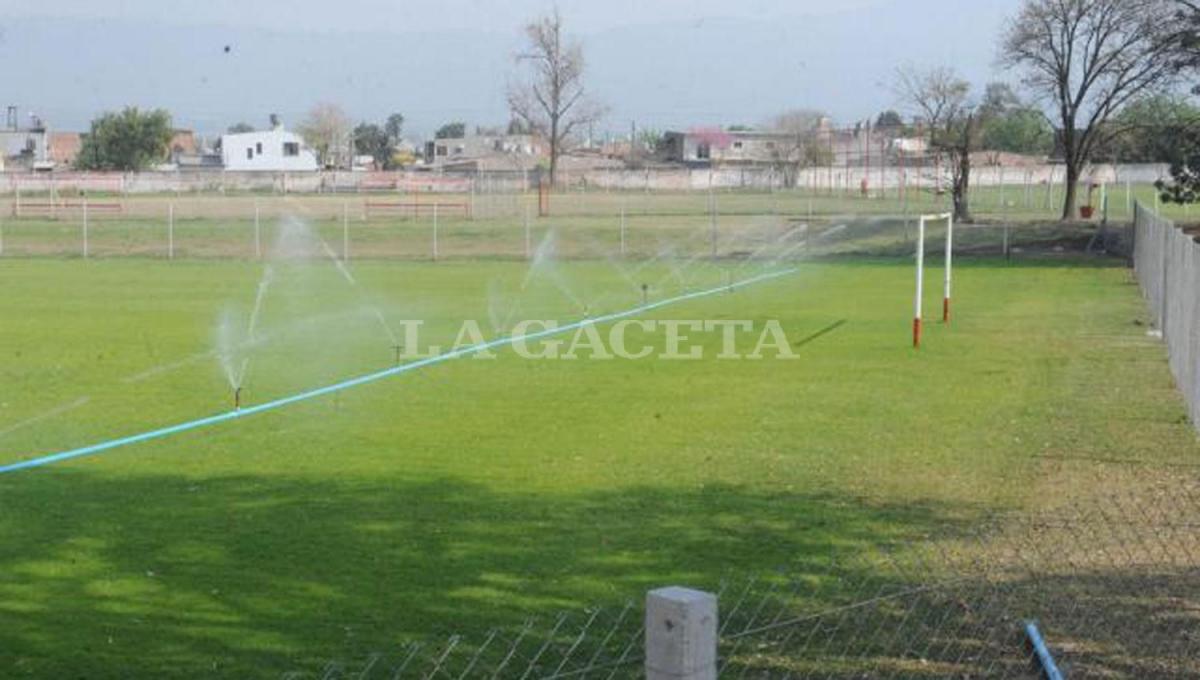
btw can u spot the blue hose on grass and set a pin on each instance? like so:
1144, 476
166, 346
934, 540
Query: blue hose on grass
1041, 652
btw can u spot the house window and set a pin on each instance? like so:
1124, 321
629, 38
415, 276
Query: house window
258, 148
249, 153
291, 148
703, 151
737, 145
441, 150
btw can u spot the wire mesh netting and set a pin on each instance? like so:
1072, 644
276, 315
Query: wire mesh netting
1112, 585
587, 226
1167, 264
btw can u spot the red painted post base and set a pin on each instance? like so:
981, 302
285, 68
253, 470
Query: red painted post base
916, 334
945, 310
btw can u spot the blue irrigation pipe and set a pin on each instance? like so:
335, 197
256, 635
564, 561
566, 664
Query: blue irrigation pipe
218, 418
1042, 652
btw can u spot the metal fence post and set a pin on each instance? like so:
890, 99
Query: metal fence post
257, 233
528, 236
622, 227
85, 227
1166, 265
681, 634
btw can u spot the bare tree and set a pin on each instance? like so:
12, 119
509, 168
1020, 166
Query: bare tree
799, 145
1087, 59
327, 130
944, 101
552, 101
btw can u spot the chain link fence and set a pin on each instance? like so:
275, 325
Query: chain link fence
662, 226
1111, 584
1167, 262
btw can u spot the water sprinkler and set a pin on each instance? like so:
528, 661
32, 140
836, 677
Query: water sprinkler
645, 294
586, 312
397, 348
237, 398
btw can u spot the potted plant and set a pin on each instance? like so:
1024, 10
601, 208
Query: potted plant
1087, 209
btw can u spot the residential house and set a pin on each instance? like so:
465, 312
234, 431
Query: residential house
275, 150
25, 147
183, 142
64, 148
857, 146
514, 151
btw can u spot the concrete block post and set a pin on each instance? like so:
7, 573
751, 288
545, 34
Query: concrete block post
681, 634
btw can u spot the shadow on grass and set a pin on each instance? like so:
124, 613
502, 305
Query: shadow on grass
164, 576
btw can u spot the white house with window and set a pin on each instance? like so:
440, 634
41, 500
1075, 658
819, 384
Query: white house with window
271, 150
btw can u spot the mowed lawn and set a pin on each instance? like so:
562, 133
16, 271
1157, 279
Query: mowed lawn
480, 492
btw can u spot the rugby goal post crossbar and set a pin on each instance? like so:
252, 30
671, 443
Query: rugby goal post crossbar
938, 217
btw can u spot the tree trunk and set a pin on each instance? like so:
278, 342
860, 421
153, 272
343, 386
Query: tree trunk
1072, 184
962, 185
553, 151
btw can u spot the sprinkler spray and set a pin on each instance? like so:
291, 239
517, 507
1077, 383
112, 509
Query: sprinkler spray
237, 399
645, 294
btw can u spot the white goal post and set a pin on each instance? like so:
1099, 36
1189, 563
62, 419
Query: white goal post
949, 219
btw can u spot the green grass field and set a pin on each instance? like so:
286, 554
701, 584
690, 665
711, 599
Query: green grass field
481, 492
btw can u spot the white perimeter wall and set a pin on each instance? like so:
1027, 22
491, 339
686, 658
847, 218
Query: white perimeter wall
681, 179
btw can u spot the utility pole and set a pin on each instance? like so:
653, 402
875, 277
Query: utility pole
632, 141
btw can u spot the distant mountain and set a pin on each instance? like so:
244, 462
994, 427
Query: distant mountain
666, 75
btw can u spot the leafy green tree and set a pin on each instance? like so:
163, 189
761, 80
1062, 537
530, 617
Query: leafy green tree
1184, 185
1020, 130
1148, 130
649, 139
394, 127
1183, 154
516, 126
451, 130
374, 141
889, 120
129, 141
239, 128
999, 99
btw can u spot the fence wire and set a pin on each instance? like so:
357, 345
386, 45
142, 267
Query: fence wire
1112, 585
1167, 263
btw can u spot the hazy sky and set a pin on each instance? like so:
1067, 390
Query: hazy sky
663, 63
397, 16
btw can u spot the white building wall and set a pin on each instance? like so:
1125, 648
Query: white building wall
266, 151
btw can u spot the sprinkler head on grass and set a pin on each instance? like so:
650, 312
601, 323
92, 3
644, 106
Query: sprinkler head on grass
397, 348
237, 399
